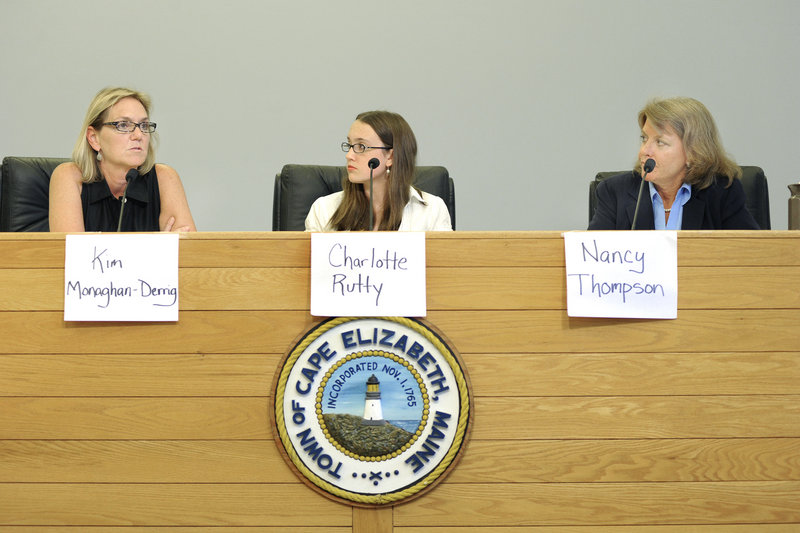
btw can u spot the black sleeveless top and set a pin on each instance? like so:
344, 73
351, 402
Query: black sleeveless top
101, 209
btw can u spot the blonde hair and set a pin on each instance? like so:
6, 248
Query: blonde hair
84, 155
692, 122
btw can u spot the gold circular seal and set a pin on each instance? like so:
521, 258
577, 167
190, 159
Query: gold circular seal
372, 411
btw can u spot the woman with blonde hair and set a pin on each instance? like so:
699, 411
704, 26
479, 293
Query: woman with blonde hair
693, 183
113, 164
386, 140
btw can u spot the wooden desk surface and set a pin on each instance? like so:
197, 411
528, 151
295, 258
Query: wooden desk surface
687, 425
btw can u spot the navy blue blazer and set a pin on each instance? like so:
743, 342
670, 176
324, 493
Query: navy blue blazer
715, 207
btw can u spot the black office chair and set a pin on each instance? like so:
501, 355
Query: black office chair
297, 186
25, 196
754, 184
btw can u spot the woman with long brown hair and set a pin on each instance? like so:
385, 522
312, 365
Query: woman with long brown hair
386, 139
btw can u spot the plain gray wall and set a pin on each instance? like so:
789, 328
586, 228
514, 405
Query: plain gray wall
522, 100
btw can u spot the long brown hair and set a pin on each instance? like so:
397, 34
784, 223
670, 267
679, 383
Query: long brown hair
705, 156
353, 213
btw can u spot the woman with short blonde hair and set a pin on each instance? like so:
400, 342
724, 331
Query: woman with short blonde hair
691, 120
113, 182
84, 155
689, 182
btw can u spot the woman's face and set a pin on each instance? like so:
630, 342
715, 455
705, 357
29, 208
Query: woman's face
666, 149
357, 164
121, 150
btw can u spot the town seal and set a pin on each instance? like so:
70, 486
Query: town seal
372, 411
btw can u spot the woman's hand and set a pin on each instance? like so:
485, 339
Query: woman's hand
171, 222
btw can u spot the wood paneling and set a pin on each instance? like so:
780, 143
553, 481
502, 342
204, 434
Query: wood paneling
507, 418
492, 374
369, 520
581, 425
487, 461
138, 375
728, 528
605, 503
143, 461
638, 417
183, 504
471, 331
491, 288
624, 460
552, 331
197, 332
634, 374
190, 529
134, 418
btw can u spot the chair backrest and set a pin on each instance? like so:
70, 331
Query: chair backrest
754, 183
25, 196
297, 186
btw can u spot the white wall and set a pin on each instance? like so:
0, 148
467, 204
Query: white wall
523, 100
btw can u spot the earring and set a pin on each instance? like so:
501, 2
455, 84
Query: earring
388, 171
99, 156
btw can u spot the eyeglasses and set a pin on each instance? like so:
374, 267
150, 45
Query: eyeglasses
126, 126
361, 148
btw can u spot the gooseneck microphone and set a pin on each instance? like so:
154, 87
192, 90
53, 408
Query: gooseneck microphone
648, 167
129, 177
373, 164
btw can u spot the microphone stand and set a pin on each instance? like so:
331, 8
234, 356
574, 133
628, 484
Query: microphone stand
373, 164
371, 201
649, 165
129, 177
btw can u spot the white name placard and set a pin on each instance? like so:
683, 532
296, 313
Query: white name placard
622, 274
368, 274
125, 277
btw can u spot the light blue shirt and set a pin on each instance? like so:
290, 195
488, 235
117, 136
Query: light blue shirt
676, 211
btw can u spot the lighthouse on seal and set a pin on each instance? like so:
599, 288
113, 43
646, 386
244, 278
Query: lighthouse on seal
373, 414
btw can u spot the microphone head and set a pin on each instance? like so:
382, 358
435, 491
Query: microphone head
374, 163
132, 173
649, 165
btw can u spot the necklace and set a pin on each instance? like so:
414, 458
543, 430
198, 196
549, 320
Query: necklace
667, 210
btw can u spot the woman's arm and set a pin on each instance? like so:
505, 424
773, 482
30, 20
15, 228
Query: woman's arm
441, 219
605, 213
734, 213
321, 212
175, 214
313, 222
66, 210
